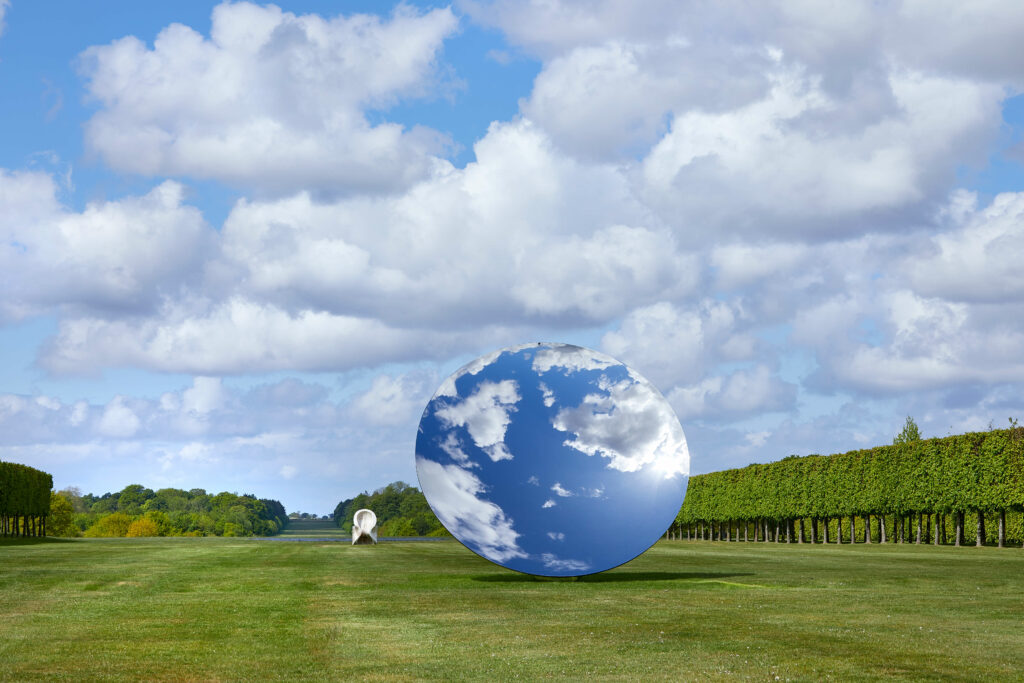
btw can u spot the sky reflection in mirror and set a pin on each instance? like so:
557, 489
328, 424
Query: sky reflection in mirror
552, 459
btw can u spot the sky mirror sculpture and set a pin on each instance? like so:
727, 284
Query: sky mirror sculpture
551, 459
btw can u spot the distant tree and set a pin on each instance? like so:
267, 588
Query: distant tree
162, 522
132, 498
74, 495
60, 520
909, 434
114, 524
143, 527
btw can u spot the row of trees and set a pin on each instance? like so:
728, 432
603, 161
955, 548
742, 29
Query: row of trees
24, 500
921, 489
139, 511
401, 510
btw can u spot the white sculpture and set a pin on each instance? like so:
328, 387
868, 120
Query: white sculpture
364, 527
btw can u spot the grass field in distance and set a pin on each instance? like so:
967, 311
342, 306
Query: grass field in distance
245, 609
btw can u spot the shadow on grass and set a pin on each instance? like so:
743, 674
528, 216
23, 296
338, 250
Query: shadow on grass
609, 577
15, 540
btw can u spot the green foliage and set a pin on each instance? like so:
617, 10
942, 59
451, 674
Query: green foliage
143, 527
910, 432
401, 510
24, 498
976, 471
109, 526
176, 512
60, 520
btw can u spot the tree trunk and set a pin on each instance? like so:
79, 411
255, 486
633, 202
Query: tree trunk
778, 528
935, 539
853, 536
867, 528
980, 529
824, 534
1002, 528
881, 529
814, 530
800, 532
746, 525
959, 533
917, 539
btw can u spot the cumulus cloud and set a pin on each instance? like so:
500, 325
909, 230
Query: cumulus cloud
455, 496
393, 400
549, 503
631, 425
270, 100
569, 358
114, 257
743, 392
979, 259
239, 335
118, 419
671, 345
485, 415
796, 172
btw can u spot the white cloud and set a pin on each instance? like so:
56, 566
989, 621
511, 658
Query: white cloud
632, 425
114, 256
205, 395
454, 495
485, 415
118, 420
670, 345
552, 561
288, 471
549, 503
569, 358
239, 335
533, 480
556, 535
393, 399
271, 100
742, 392
4, 4
453, 447
795, 171
978, 260
549, 396
557, 488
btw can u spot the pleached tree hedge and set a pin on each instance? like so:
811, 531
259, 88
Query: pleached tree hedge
934, 490
24, 500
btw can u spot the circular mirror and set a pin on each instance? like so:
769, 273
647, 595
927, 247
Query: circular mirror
552, 459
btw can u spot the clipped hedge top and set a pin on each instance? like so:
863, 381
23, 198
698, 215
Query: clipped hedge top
979, 470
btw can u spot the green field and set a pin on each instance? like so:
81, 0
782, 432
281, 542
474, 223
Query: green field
245, 609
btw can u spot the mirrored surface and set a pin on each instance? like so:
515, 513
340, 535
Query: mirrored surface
552, 459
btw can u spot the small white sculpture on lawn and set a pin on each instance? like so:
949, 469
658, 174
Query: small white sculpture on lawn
364, 527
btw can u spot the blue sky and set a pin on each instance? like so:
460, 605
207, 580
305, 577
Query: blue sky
241, 245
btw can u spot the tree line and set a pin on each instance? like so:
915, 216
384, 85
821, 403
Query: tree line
401, 510
24, 500
941, 490
139, 511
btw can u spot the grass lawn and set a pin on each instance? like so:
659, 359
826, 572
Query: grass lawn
313, 528
242, 609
